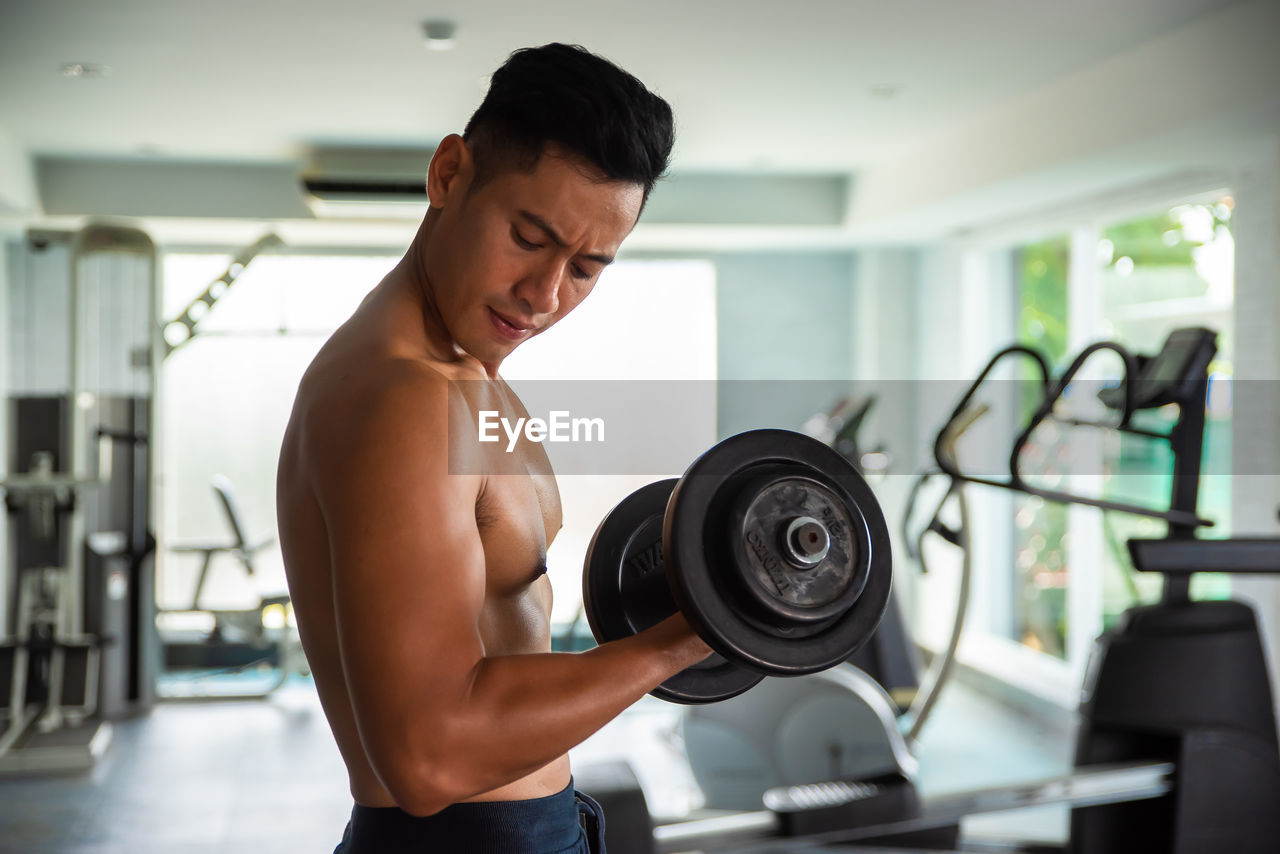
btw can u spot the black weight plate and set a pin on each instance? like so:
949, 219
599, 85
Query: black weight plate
787, 590
625, 591
707, 583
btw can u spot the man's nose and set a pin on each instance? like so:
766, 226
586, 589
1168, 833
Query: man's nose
541, 288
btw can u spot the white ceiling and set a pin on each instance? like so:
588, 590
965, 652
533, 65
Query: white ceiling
758, 85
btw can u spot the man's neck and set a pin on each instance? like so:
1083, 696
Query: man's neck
414, 277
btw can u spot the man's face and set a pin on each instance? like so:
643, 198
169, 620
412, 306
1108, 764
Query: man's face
508, 260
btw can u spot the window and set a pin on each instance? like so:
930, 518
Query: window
226, 396
1040, 568
1133, 281
1155, 274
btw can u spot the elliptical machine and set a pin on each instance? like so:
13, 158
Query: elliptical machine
1180, 680
1176, 697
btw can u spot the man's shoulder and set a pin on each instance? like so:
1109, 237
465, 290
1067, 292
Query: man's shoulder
354, 398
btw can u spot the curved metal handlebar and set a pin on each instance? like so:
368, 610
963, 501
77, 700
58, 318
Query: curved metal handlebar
1053, 391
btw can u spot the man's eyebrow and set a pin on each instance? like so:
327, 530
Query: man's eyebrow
545, 226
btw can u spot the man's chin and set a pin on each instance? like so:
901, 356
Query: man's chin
490, 352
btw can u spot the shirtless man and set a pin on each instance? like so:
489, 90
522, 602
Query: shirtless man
418, 573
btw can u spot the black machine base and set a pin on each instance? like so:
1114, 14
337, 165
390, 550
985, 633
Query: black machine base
1185, 682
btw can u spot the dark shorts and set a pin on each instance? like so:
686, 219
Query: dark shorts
567, 822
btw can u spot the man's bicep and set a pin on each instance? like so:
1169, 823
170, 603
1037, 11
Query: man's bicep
408, 573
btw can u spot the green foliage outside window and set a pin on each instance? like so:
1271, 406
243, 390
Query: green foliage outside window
1040, 557
1156, 273
1042, 270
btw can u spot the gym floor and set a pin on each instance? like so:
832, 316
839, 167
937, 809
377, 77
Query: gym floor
264, 776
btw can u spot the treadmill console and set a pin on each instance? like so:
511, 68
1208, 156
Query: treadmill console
1169, 376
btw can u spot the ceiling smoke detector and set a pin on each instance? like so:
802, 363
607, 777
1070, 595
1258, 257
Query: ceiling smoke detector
439, 34
85, 69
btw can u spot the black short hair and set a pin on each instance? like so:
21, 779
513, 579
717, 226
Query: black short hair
583, 103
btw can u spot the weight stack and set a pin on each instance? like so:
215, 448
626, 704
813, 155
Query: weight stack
37, 425
119, 562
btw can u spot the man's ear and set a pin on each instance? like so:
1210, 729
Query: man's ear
451, 170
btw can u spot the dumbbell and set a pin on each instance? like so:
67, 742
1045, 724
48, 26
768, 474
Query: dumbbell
771, 544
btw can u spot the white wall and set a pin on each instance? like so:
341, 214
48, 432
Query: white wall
40, 308
884, 352
782, 336
17, 178
1165, 107
1255, 446
5, 255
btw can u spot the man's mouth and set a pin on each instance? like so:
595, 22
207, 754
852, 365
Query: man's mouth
511, 328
